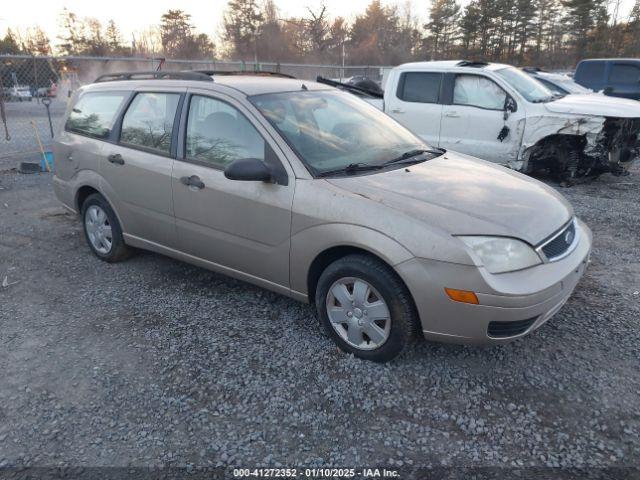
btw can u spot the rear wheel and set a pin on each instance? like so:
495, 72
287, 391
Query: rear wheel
365, 308
102, 230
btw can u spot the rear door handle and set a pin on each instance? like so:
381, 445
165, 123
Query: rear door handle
397, 110
452, 114
192, 181
116, 158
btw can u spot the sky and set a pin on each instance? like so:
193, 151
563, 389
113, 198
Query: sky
134, 16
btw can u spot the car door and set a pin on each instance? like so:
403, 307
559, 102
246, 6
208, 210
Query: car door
624, 80
242, 227
137, 166
474, 122
415, 104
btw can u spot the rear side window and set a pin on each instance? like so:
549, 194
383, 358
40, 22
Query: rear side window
624, 73
94, 113
590, 71
477, 91
149, 121
421, 87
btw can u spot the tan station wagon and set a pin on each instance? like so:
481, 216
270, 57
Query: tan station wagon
313, 193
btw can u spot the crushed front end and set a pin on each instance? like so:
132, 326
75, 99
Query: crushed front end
618, 144
581, 147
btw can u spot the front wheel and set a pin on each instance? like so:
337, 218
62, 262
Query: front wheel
365, 308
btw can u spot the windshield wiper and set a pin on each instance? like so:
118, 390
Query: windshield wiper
351, 168
412, 153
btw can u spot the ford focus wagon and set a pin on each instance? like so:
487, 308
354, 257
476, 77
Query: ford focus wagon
315, 194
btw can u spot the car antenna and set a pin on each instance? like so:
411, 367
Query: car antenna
304, 87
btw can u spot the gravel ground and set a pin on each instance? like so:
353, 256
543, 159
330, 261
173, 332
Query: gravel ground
153, 362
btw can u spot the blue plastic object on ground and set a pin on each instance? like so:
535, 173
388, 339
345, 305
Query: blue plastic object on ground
49, 157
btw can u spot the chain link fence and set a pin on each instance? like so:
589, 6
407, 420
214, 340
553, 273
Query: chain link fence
35, 91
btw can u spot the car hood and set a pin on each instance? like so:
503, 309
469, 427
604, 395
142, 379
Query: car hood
600, 105
466, 196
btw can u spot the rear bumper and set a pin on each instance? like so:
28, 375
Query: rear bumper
529, 297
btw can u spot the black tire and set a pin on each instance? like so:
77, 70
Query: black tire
403, 315
119, 251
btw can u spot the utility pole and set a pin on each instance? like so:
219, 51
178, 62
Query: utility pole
342, 70
255, 51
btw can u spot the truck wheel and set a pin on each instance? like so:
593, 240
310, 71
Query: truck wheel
365, 308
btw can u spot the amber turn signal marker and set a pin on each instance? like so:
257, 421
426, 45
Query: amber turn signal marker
463, 296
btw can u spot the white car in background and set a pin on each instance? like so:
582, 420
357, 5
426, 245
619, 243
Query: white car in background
21, 93
499, 113
558, 83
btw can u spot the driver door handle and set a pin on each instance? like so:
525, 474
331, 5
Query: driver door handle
452, 114
116, 158
192, 181
397, 110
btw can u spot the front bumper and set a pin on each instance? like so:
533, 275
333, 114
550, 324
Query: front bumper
534, 294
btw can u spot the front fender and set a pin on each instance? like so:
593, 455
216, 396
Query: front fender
307, 244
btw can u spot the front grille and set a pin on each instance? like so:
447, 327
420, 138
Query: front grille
509, 329
559, 244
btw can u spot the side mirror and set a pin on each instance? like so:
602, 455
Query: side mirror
510, 106
248, 169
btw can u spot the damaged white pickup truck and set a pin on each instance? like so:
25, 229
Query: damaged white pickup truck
499, 113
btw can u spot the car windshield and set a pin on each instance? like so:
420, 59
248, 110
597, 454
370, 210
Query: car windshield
332, 130
526, 86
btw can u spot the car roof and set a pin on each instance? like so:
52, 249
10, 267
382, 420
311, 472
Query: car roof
451, 65
246, 84
257, 85
633, 60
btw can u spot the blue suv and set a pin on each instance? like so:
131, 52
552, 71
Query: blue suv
618, 77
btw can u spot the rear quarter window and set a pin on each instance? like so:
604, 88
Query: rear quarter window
94, 113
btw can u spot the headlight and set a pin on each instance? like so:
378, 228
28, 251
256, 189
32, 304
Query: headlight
499, 254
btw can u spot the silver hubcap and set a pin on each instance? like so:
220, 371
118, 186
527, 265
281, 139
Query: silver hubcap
98, 229
358, 313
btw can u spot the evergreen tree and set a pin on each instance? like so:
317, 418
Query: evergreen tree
9, 45
443, 26
580, 18
241, 24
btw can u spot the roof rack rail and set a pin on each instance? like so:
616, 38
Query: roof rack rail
471, 63
160, 75
258, 73
350, 88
